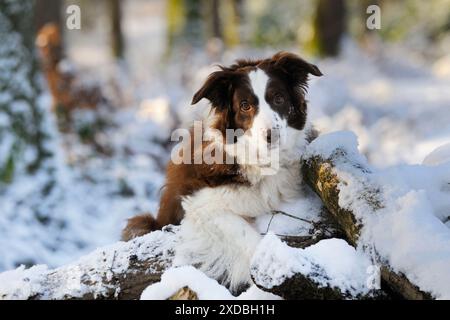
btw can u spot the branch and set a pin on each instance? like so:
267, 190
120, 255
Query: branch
319, 172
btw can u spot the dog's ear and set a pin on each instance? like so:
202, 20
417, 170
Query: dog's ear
292, 63
218, 89
293, 67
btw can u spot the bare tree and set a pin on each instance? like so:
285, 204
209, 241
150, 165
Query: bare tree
46, 11
117, 40
330, 26
215, 17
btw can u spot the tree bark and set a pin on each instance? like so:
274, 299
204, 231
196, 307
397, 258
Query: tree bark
300, 287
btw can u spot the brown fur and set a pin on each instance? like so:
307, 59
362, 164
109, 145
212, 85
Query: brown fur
66, 93
138, 226
226, 89
183, 180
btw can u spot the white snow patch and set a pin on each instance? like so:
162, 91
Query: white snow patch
330, 263
176, 278
206, 288
438, 156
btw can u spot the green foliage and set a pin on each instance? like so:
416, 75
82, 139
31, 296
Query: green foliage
7, 170
184, 23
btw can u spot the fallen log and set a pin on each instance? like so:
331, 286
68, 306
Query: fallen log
123, 270
305, 272
300, 287
291, 283
119, 271
319, 173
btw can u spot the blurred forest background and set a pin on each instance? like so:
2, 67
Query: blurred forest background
86, 115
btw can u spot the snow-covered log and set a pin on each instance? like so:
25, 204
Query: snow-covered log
119, 271
312, 272
387, 222
405, 240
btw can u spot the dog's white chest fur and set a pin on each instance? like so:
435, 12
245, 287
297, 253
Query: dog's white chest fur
215, 233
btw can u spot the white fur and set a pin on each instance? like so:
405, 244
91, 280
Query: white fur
266, 117
215, 235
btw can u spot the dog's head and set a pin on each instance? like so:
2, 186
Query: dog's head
260, 98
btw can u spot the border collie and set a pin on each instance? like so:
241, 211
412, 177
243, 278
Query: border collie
264, 101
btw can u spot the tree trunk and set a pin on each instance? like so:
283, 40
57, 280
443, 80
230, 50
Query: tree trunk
117, 41
216, 26
330, 25
22, 125
193, 32
47, 11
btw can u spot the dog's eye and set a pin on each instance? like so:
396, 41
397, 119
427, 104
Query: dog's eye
278, 99
245, 106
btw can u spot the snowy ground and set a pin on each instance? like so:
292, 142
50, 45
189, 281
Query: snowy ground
398, 107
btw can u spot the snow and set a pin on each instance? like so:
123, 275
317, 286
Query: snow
406, 223
396, 107
438, 156
89, 274
20, 283
325, 147
395, 103
206, 288
91, 195
329, 263
176, 278
308, 208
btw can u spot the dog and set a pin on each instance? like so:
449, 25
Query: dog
214, 202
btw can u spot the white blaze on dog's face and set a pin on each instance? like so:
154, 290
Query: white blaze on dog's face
260, 102
261, 141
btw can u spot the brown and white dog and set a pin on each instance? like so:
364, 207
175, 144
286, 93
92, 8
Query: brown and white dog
265, 101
